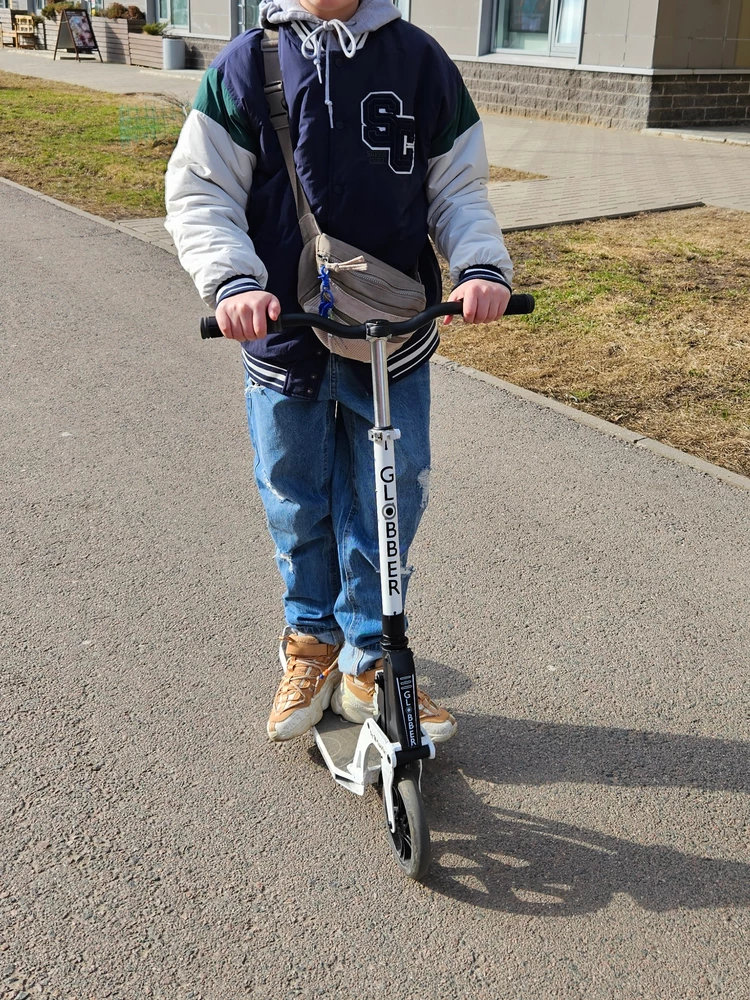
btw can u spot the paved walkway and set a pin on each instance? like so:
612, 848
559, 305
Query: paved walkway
599, 172
590, 172
110, 77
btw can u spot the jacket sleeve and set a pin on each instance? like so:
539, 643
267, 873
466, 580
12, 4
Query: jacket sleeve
207, 184
461, 220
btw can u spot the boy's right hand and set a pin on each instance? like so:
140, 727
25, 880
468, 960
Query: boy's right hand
243, 316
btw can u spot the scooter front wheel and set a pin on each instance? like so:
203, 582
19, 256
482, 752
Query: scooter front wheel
410, 841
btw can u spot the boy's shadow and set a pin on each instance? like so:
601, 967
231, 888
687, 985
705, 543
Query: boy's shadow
507, 860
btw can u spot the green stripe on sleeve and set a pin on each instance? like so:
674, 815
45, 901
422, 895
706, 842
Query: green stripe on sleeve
465, 116
214, 100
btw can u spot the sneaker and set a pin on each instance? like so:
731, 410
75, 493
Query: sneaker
310, 677
355, 700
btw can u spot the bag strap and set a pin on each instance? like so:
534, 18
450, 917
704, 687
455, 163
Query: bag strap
277, 107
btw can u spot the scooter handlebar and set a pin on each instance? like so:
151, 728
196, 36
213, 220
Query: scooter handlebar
518, 305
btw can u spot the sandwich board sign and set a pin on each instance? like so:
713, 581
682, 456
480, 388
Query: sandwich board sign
75, 33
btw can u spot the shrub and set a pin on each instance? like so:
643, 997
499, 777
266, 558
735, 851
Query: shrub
115, 10
57, 8
135, 13
155, 28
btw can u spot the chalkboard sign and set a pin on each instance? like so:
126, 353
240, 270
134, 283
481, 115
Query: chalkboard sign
75, 34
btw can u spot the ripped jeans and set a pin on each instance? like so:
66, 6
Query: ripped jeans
314, 469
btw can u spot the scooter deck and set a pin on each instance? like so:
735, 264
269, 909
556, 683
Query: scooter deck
337, 741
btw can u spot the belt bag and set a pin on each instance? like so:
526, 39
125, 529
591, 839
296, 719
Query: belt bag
336, 279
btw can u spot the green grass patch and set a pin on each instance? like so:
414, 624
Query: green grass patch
65, 141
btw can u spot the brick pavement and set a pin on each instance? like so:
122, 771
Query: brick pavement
595, 172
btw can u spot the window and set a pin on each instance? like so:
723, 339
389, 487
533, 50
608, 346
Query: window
175, 11
539, 27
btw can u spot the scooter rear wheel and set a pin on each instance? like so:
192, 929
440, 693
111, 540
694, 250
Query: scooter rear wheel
410, 841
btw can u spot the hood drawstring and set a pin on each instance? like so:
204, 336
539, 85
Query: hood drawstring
316, 41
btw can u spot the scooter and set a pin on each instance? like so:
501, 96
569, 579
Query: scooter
389, 750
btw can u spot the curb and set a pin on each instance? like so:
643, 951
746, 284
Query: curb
602, 217
696, 137
603, 426
587, 419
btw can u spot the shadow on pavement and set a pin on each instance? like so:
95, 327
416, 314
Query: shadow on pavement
507, 860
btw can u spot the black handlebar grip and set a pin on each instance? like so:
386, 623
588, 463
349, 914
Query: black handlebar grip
520, 305
210, 328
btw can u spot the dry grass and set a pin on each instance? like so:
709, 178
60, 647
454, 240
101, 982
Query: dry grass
509, 174
642, 321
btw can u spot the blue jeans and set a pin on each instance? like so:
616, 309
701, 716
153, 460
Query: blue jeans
314, 469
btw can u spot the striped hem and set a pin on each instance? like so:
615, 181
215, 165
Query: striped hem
236, 286
414, 352
487, 272
264, 373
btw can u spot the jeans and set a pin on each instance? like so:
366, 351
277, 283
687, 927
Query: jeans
314, 469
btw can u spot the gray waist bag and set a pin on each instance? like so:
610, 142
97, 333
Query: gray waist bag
336, 279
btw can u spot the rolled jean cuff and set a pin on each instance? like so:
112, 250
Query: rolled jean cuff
355, 661
333, 637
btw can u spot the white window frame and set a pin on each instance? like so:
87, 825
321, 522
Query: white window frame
554, 48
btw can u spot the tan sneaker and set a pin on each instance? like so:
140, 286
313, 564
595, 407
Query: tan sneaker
355, 700
310, 676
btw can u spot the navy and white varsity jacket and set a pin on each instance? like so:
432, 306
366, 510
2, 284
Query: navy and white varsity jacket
388, 147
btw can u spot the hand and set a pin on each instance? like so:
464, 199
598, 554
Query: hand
484, 301
243, 316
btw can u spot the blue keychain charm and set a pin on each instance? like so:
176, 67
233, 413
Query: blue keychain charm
325, 306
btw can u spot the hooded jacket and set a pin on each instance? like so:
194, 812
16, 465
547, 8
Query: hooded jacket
388, 147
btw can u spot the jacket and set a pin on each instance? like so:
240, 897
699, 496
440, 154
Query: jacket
388, 147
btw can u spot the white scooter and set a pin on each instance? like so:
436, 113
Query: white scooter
390, 749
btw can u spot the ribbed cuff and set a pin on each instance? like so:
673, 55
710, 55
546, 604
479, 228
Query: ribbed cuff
484, 271
235, 286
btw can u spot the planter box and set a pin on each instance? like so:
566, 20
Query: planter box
111, 35
146, 50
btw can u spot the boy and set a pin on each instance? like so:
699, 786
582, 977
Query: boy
389, 150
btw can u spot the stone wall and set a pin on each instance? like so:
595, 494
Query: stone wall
618, 100
711, 99
615, 100
200, 52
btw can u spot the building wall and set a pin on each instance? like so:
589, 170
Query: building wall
703, 34
207, 17
455, 25
201, 52
620, 33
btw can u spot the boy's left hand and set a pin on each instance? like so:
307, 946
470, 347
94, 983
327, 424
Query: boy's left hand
484, 301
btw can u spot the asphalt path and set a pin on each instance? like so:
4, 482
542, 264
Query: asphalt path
581, 604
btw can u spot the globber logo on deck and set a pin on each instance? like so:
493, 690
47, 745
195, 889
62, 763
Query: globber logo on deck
388, 510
